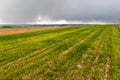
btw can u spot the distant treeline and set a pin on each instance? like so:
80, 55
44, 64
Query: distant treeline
6, 26
41, 25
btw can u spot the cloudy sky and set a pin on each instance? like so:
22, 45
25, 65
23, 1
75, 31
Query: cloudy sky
59, 11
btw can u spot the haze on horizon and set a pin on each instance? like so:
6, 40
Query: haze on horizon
59, 11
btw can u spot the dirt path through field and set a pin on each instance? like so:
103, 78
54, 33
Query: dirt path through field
25, 30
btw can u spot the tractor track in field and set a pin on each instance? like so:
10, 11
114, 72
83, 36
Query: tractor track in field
105, 74
90, 53
69, 49
80, 43
38, 51
107, 66
83, 60
52, 44
27, 41
52, 62
58, 56
95, 58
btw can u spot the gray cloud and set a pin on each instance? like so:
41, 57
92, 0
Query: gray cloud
25, 11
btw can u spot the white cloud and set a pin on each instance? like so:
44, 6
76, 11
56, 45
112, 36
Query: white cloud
48, 20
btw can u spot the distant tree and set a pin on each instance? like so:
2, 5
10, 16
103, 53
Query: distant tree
6, 27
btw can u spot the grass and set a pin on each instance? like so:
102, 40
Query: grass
89, 52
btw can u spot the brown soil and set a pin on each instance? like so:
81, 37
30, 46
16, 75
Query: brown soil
25, 30
105, 74
118, 27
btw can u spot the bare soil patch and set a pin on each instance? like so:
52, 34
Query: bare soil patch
26, 30
118, 27
105, 74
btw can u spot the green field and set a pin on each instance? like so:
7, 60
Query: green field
74, 53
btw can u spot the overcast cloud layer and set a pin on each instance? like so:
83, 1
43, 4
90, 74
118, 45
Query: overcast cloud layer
59, 11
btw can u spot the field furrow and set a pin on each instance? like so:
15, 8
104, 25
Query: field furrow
71, 53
